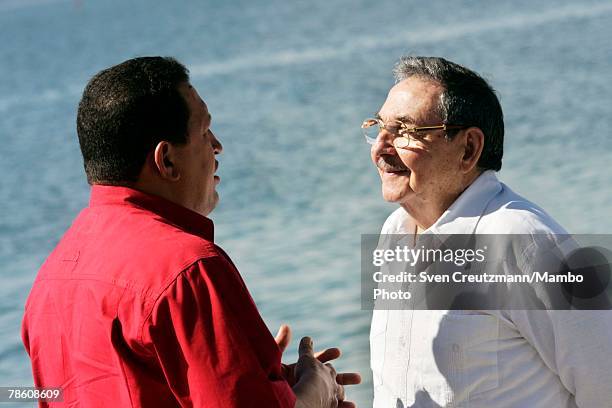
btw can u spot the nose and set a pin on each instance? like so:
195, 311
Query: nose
384, 144
216, 144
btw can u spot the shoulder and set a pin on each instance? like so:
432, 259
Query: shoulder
213, 273
510, 213
145, 250
200, 281
209, 288
154, 236
175, 253
169, 239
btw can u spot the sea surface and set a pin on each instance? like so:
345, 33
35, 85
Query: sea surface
288, 83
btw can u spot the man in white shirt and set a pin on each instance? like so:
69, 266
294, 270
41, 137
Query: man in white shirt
437, 142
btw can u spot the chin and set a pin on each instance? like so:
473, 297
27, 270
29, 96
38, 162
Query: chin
396, 190
394, 196
395, 187
208, 206
215, 201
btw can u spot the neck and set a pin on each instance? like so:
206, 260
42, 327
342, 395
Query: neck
162, 190
425, 211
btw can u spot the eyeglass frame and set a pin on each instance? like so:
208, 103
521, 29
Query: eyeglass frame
405, 130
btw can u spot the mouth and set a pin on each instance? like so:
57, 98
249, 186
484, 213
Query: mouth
398, 173
392, 168
215, 177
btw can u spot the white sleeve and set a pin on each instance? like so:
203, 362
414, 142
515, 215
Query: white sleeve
577, 346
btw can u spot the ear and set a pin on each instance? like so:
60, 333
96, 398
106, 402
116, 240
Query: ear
164, 159
473, 143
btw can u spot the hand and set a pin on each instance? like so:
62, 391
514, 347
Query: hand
316, 385
290, 372
283, 338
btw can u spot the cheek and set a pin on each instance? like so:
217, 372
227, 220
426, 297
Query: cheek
428, 162
412, 159
207, 160
449, 163
209, 165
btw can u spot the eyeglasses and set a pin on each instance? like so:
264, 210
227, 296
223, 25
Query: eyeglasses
373, 126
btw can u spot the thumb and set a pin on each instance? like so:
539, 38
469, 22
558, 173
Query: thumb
283, 337
305, 348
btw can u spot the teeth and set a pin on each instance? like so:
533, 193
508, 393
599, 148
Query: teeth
383, 165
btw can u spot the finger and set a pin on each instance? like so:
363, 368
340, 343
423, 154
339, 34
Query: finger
283, 337
328, 354
348, 378
347, 404
305, 348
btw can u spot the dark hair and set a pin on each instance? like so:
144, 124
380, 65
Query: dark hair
125, 111
467, 99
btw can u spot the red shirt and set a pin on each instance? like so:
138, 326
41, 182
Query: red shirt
137, 307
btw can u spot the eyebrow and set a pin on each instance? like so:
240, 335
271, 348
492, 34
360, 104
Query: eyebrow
405, 118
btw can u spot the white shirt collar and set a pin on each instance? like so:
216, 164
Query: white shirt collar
463, 215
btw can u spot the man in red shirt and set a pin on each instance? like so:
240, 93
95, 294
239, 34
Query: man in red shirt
136, 306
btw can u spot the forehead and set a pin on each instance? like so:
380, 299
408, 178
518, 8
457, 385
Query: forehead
413, 99
198, 110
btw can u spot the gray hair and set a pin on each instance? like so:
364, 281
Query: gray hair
467, 99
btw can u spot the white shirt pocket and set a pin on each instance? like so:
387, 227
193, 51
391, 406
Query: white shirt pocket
465, 351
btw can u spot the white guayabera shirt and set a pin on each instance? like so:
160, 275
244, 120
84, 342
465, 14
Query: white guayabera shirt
501, 359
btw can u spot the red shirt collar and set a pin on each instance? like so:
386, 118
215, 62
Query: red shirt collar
176, 214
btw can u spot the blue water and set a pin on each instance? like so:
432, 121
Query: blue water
288, 84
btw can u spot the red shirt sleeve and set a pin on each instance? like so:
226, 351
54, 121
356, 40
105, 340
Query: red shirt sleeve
211, 343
